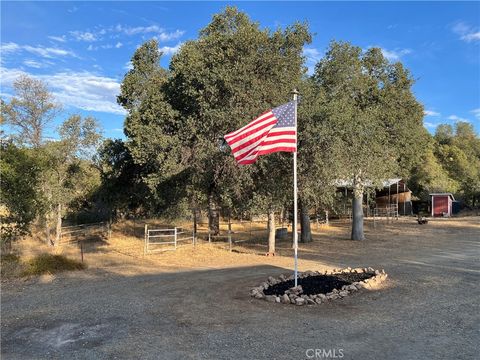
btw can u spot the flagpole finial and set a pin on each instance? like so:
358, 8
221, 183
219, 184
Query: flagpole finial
295, 94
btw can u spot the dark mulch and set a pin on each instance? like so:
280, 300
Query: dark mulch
319, 284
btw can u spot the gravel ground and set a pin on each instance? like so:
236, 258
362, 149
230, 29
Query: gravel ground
429, 308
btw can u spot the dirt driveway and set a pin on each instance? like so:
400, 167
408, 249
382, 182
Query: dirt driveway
430, 308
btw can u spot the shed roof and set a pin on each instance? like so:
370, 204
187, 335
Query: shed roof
442, 194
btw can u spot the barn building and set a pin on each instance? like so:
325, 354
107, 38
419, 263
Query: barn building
442, 204
394, 197
396, 193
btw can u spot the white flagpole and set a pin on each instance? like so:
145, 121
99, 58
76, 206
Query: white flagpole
295, 210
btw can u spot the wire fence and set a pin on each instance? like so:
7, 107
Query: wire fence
75, 233
80, 235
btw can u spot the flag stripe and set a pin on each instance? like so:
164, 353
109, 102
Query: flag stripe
246, 138
278, 141
262, 117
272, 131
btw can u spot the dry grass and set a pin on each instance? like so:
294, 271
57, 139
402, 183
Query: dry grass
50, 264
10, 266
123, 253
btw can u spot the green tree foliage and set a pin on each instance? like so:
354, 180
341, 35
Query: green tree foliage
67, 170
317, 168
458, 152
431, 177
30, 110
371, 115
233, 72
122, 190
451, 164
151, 124
19, 198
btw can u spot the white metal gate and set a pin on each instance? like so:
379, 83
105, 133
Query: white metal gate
166, 239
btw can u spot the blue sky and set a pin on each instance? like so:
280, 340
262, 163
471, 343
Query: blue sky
82, 49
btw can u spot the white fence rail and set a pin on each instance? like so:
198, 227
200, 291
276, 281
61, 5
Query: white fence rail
387, 213
157, 240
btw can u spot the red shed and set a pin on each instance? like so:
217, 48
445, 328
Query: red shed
442, 204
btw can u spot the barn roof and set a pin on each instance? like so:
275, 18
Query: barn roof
368, 183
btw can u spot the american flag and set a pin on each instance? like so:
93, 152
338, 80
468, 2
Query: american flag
272, 131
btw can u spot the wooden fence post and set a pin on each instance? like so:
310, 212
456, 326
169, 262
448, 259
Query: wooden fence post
194, 225
145, 247
175, 237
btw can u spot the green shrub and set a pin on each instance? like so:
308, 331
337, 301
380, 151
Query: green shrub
51, 264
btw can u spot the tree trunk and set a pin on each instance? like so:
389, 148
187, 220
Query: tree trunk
59, 225
47, 231
271, 233
357, 216
213, 216
194, 222
305, 230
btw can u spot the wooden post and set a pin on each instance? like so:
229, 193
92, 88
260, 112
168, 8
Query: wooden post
229, 231
175, 237
230, 240
326, 217
145, 248
397, 200
194, 225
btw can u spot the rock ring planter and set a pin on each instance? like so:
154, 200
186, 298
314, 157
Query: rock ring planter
315, 287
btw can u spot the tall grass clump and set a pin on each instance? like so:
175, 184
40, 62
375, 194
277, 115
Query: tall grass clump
51, 264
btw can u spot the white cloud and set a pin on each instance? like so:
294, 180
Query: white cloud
36, 64
9, 76
10, 47
166, 36
471, 37
46, 52
467, 33
58, 38
394, 55
429, 125
457, 118
118, 45
170, 50
431, 113
312, 56
128, 65
161, 34
83, 90
84, 36
476, 113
